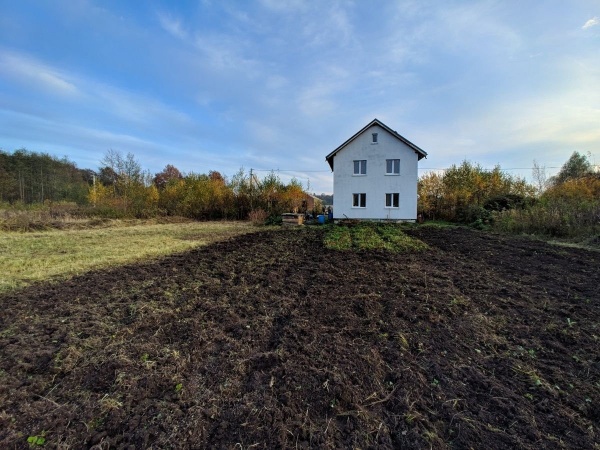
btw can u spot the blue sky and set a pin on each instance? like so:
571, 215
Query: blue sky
274, 84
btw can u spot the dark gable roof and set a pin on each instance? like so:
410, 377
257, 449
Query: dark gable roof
421, 153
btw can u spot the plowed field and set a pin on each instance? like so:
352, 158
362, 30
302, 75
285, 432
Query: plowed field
269, 340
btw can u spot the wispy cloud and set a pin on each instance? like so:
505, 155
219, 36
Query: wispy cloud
281, 83
326, 27
171, 25
590, 23
285, 6
36, 75
319, 97
94, 97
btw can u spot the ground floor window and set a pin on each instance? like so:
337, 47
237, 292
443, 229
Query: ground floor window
392, 200
359, 200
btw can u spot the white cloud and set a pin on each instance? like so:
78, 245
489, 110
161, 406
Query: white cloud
92, 97
556, 123
224, 53
476, 27
171, 25
264, 133
318, 98
37, 75
327, 27
590, 23
286, 6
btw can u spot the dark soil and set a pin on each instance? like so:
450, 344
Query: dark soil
270, 341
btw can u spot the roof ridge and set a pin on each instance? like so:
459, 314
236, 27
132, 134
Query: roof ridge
420, 152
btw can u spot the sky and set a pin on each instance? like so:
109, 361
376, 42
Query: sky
279, 84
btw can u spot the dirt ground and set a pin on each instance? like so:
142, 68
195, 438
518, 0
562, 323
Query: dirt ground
270, 341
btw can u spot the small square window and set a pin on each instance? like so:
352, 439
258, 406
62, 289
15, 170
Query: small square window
392, 167
392, 200
374, 135
360, 167
359, 200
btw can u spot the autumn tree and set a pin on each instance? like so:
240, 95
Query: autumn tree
431, 195
292, 196
464, 192
124, 186
241, 188
577, 166
568, 206
169, 173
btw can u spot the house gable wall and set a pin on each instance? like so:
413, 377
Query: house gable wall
375, 183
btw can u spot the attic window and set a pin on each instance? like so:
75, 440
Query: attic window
374, 135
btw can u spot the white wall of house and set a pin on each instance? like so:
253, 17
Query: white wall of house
375, 184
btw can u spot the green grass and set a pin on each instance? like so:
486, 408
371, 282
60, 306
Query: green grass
30, 257
366, 238
400, 242
369, 236
338, 238
440, 224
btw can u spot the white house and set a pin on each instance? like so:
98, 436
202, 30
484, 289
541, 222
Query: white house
375, 175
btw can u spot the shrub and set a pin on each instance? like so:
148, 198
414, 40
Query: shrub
504, 202
472, 213
258, 216
274, 219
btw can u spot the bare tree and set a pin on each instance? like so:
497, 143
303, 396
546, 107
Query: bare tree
539, 177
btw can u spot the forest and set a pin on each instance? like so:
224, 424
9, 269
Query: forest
566, 205
27, 178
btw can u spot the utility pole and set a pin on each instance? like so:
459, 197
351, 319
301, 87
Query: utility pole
95, 196
251, 192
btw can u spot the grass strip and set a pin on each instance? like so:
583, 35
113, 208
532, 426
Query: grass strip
400, 242
56, 254
371, 236
366, 238
338, 238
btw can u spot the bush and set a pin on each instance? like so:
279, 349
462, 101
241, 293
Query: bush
473, 213
274, 219
257, 216
504, 202
552, 218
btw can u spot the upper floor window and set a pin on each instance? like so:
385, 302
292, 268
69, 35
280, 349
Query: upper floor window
392, 167
374, 136
359, 200
360, 167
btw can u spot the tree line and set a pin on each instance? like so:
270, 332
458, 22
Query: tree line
566, 205
122, 188
27, 177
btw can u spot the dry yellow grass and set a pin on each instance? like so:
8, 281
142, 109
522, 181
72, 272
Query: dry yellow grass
26, 258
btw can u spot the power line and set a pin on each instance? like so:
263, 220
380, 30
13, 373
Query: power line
508, 168
420, 168
296, 170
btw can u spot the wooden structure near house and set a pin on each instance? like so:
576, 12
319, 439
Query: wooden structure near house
292, 219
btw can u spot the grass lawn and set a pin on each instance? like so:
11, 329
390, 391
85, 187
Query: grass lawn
59, 254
